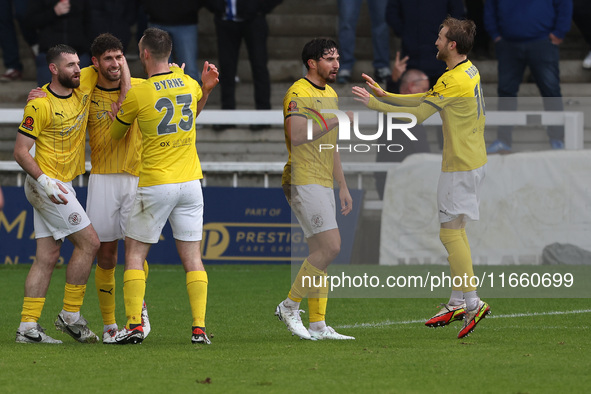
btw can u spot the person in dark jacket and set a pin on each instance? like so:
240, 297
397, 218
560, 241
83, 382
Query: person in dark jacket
60, 22
115, 17
416, 22
527, 33
244, 20
180, 19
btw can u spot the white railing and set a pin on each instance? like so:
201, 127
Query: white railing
573, 122
236, 169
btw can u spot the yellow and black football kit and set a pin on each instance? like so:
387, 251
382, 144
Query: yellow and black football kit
306, 163
58, 126
109, 156
165, 106
457, 96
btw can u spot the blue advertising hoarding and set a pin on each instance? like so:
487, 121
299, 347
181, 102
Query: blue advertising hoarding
241, 225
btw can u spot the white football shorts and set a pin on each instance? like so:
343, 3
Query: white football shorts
180, 203
314, 206
55, 220
109, 201
458, 193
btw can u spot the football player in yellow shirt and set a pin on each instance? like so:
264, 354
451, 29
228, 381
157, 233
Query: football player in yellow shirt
56, 125
166, 106
114, 176
457, 96
307, 180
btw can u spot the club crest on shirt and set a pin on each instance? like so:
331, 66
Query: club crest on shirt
28, 123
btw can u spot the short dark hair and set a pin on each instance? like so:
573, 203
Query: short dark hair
462, 31
105, 42
158, 42
55, 52
317, 48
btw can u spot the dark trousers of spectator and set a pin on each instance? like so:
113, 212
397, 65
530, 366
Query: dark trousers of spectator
542, 57
475, 12
230, 34
8, 40
581, 16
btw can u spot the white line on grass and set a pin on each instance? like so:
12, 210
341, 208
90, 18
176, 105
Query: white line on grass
393, 323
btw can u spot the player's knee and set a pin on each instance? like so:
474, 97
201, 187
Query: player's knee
48, 257
91, 244
333, 250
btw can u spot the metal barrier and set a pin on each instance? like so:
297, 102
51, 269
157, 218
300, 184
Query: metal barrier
236, 169
573, 122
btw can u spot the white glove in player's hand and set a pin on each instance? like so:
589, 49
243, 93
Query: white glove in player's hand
52, 189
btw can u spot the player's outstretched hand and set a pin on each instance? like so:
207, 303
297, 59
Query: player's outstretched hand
209, 76
363, 95
346, 201
36, 93
377, 90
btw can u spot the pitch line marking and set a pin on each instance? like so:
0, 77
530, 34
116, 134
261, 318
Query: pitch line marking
393, 323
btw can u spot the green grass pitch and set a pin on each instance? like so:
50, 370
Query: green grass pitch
520, 348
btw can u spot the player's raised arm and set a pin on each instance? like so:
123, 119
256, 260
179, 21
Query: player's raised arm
421, 112
209, 78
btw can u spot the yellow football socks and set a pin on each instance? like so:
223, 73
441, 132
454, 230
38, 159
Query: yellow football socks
304, 281
146, 269
134, 288
105, 287
197, 289
32, 308
317, 299
460, 260
73, 297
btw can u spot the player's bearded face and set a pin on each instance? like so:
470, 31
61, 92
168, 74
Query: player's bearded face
69, 77
110, 65
441, 44
328, 66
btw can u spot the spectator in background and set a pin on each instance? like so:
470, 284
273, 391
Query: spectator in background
475, 12
412, 81
115, 17
416, 22
8, 37
528, 33
380, 38
236, 21
581, 17
178, 18
60, 22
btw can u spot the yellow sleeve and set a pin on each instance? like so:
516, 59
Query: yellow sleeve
125, 117
177, 70
407, 100
293, 102
421, 112
88, 79
35, 117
